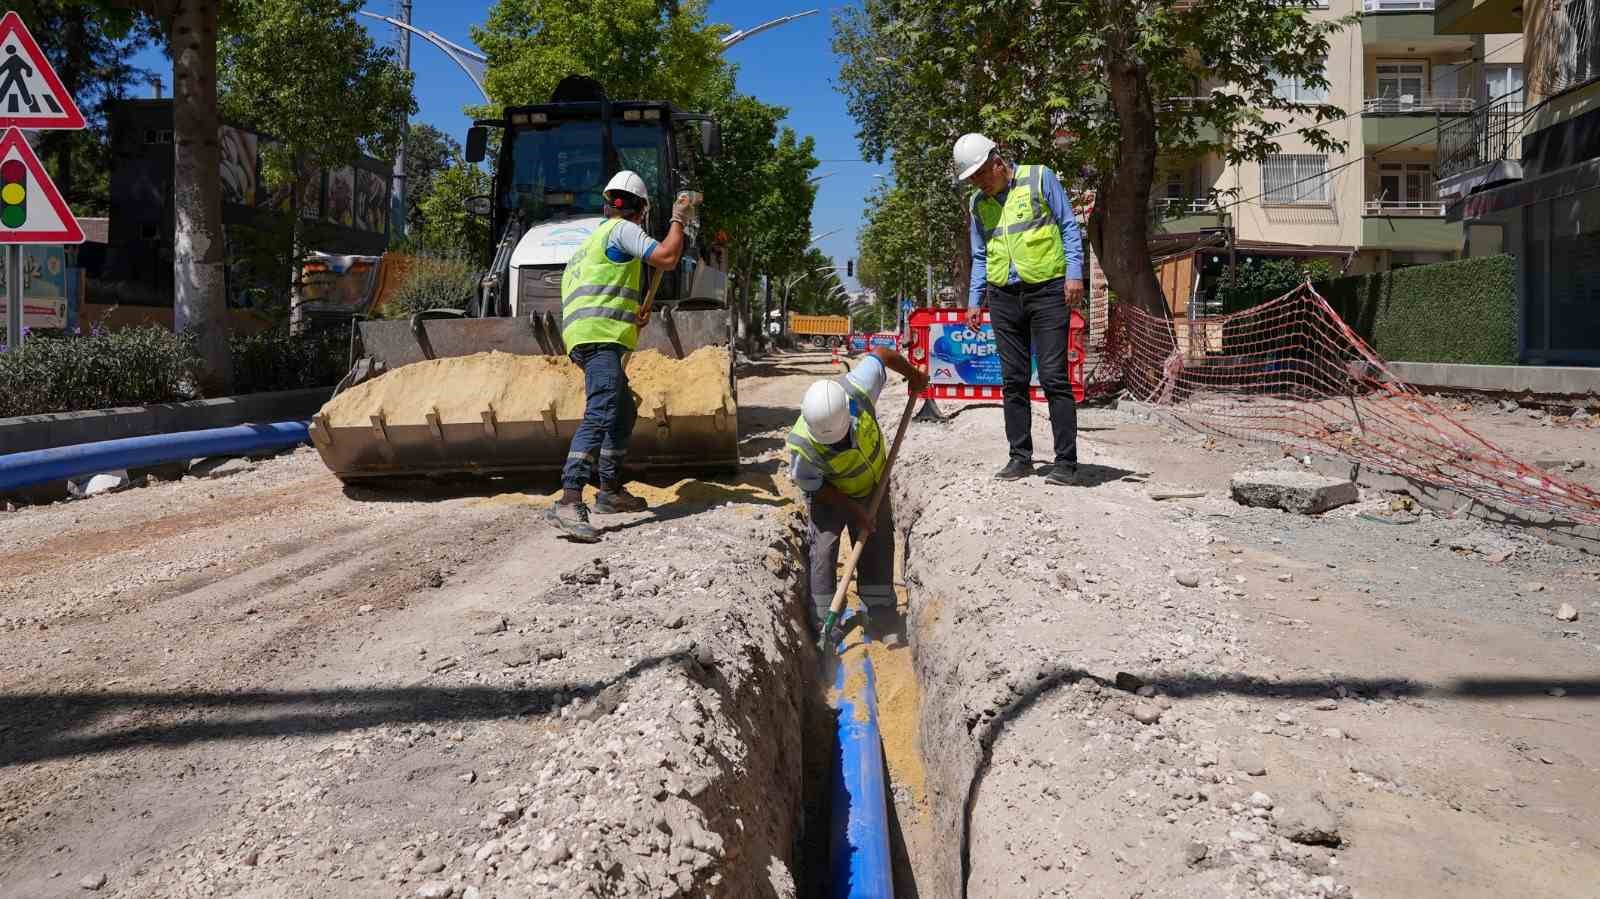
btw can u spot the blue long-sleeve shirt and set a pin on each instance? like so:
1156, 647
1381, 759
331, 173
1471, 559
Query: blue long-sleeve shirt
1055, 197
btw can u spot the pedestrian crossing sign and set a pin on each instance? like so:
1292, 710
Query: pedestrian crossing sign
31, 96
31, 208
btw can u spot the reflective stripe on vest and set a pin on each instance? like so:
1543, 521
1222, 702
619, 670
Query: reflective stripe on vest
1022, 233
855, 470
600, 298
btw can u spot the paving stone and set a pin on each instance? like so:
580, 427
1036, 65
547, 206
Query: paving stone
1292, 491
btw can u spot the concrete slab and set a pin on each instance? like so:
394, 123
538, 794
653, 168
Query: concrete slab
1292, 491
1535, 380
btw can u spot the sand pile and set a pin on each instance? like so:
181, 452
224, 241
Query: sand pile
521, 388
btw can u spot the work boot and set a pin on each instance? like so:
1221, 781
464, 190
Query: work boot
618, 499
1014, 469
1062, 474
573, 520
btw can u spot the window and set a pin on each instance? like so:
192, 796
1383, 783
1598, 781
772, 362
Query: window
1295, 90
1177, 187
1295, 178
1407, 183
1402, 81
1503, 84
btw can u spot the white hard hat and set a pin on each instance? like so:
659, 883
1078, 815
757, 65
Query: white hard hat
972, 151
826, 410
629, 183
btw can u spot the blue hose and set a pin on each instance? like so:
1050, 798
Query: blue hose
63, 462
859, 865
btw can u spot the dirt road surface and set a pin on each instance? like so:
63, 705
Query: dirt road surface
269, 685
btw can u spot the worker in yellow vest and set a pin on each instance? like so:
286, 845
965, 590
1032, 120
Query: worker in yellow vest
601, 290
1027, 261
837, 456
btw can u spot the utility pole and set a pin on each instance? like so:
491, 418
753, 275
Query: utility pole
397, 203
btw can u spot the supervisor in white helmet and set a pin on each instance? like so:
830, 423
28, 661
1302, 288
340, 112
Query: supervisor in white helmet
838, 453
601, 290
1027, 262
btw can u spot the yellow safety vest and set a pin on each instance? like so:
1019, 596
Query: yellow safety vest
855, 470
600, 298
1022, 233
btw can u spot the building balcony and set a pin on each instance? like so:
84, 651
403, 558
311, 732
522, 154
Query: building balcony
1183, 216
1416, 130
1482, 149
1185, 105
1405, 28
1408, 226
1469, 17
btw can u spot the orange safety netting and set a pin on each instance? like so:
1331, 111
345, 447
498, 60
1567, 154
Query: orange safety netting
1290, 371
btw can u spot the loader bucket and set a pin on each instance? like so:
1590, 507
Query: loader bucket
496, 430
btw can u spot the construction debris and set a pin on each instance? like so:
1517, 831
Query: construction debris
1292, 491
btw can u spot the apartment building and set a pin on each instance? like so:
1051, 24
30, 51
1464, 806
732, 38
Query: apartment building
1524, 178
1375, 205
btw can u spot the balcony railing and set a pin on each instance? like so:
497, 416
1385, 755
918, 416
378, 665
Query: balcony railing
1488, 136
1171, 207
1396, 5
1173, 104
1406, 208
1411, 103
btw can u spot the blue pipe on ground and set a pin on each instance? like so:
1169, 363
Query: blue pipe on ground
859, 863
63, 462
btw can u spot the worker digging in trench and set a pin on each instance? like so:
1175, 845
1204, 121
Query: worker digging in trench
601, 291
837, 453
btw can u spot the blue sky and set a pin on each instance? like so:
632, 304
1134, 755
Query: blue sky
792, 66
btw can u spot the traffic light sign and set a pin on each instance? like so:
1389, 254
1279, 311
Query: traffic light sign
850, 268
31, 209
13, 193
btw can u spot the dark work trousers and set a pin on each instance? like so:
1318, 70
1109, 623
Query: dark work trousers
875, 571
608, 415
1029, 320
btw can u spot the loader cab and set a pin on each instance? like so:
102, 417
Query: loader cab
553, 164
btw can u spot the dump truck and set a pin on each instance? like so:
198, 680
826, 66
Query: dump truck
822, 331
553, 162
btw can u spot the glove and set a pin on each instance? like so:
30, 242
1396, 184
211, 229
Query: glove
684, 211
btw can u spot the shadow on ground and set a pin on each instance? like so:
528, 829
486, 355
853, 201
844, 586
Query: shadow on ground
71, 725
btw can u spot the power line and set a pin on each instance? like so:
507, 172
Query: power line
1456, 68
1365, 156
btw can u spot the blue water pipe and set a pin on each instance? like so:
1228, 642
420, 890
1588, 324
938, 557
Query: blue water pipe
859, 865
63, 462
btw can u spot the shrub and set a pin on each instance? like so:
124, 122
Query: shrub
1463, 311
433, 283
275, 360
131, 367
1263, 279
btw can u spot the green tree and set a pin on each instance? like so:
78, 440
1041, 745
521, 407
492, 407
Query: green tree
1079, 86
429, 152
321, 116
892, 245
448, 229
638, 49
92, 51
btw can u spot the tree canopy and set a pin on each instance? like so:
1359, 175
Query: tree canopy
1090, 88
640, 49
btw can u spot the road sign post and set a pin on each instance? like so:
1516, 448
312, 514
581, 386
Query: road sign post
32, 210
13, 295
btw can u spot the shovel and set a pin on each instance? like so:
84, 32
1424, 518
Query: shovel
837, 606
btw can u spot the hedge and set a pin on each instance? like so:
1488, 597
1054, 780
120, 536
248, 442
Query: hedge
131, 367
1463, 311
145, 365
274, 360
